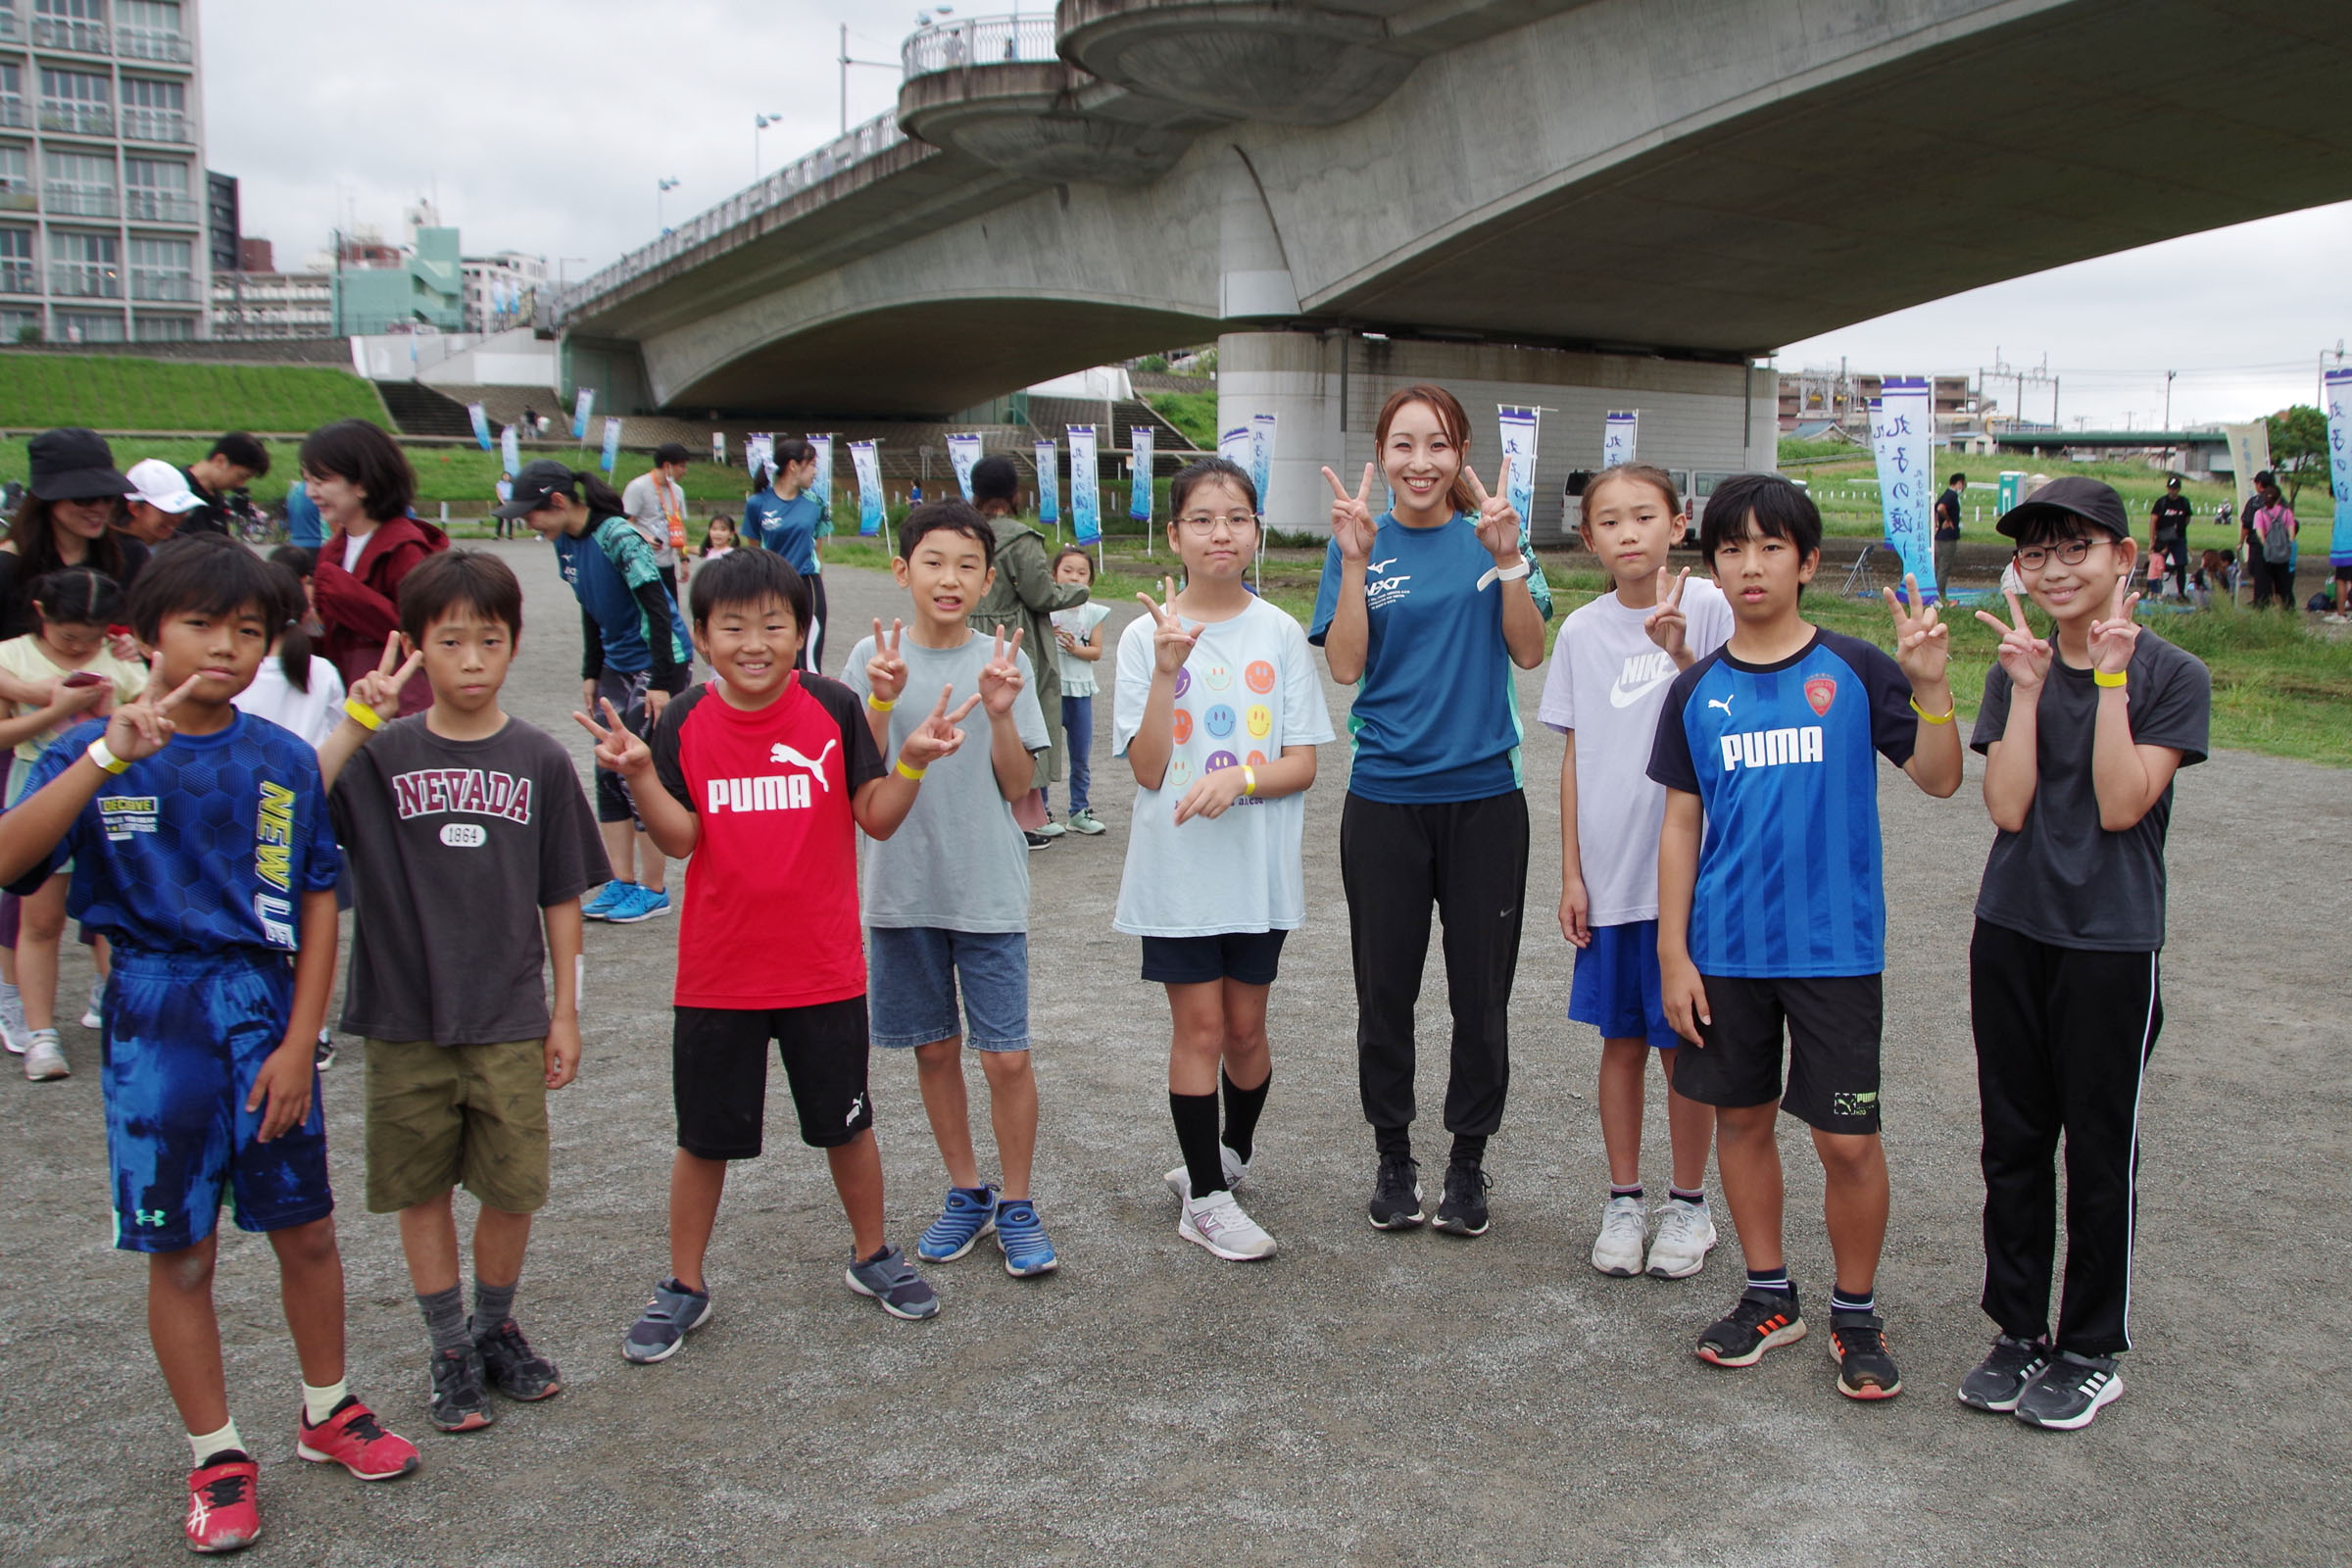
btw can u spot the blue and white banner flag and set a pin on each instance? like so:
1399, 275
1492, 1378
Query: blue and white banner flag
510, 451
611, 444
866, 463
1902, 437
759, 456
480, 417
1237, 446
1086, 516
964, 451
1520, 431
1138, 467
2338, 383
1261, 455
581, 406
718, 446
1049, 497
1617, 433
822, 446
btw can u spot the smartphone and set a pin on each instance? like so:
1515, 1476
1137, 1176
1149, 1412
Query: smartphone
82, 677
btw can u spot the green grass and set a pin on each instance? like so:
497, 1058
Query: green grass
119, 393
1846, 490
1193, 413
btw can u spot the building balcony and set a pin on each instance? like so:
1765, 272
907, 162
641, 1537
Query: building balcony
78, 119
80, 201
155, 124
147, 43
17, 198
162, 286
158, 206
66, 33
85, 280
10, 29
20, 278
13, 111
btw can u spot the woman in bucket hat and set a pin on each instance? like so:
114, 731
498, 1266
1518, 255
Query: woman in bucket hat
67, 519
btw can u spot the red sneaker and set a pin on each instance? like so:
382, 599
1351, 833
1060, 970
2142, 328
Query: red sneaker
352, 1439
222, 1513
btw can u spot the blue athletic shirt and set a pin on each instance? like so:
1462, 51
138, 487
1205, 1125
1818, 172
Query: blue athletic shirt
205, 848
1435, 715
605, 567
1790, 876
790, 528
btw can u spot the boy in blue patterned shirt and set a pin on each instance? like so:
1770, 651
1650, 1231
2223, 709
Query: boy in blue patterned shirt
199, 844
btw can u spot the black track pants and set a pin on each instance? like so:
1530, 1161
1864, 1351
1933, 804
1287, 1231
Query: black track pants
1468, 858
2063, 1036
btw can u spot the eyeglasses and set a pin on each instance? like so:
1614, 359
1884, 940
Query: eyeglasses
2072, 553
1201, 525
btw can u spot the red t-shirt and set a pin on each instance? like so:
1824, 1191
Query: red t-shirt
772, 788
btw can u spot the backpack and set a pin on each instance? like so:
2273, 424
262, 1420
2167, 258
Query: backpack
2276, 526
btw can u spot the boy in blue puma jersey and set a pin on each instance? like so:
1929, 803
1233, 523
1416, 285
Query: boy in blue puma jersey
200, 848
1777, 917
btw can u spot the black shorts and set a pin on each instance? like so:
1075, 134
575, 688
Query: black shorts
718, 1074
1249, 956
1834, 1023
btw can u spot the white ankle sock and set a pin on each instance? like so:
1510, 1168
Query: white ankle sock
205, 1444
320, 1404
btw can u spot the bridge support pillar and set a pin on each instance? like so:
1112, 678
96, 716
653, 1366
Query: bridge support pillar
1294, 377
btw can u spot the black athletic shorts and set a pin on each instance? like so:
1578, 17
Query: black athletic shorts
1249, 956
718, 1074
1833, 1025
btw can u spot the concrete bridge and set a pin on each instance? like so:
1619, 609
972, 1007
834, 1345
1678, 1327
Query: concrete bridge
1579, 204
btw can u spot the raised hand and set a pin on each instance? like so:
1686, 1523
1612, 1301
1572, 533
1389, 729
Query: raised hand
1498, 519
1172, 643
619, 750
2113, 640
1351, 520
1667, 625
1923, 644
2025, 657
1001, 677
938, 736
140, 729
885, 670
379, 688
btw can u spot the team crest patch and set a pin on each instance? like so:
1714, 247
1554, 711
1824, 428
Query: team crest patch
1821, 691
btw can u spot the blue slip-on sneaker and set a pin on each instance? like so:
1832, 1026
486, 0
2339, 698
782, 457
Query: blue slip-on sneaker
965, 1219
1022, 1236
613, 895
673, 1313
891, 1281
644, 903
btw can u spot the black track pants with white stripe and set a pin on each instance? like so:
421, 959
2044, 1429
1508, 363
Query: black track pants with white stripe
2063, 1036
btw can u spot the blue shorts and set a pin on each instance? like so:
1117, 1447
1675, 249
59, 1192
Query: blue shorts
911, 979
185, 1037
1617, 990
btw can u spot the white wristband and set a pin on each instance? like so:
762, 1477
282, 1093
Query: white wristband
107, 760
1506, 573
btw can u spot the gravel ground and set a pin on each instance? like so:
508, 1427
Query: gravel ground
1364, 1397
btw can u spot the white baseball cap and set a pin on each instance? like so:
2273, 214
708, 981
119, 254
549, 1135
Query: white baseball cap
160, 485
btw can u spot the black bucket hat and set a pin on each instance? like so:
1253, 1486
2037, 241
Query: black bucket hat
537, 481
71, 463
2094, 502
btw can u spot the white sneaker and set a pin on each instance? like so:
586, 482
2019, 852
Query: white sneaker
12, 1031
1624, 1231
43, 1058
1217, 1223
1236, 1168
1050, 830
93, 1016
1686, 1235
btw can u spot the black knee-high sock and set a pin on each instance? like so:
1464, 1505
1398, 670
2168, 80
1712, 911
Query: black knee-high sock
1242, 1109
1196, 1118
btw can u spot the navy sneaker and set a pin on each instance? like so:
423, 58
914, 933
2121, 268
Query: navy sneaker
2071, 1391
890, 1279
1022, 1236
673, 1313
960, 1224
512, 1367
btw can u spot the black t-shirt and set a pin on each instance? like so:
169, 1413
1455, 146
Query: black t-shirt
1947, 517
2064, 879
2170, 514
455, 847
207, 518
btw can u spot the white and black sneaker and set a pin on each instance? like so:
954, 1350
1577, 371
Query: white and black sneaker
1463, 1209
2004, 1374
1397, 1193
2071, 1391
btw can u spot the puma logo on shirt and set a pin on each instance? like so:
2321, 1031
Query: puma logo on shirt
1770, 747
784, 756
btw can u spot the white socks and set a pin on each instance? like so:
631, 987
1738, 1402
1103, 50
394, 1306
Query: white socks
320, 1404
205, 1444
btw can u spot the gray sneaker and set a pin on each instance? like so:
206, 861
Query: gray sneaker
2004, 1374
14, 1031
673, 1313
43, 1057
891, 1281
1235, 1171
2071, 1391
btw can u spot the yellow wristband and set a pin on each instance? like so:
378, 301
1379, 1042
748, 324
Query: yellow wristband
1933, 719
1249, 779
2119, 678
368, 716
105, 759
914, 774
878, 705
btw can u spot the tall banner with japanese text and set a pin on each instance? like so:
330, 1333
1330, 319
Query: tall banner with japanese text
822, 446
2338, 393
866, 463
964, 451
1618, 430
1261, 455
1902, 438
2250, 454
509, 452
581, 407
759, 456
718, 446
1236, 446
1049, 497
1139, 466
1086, 517
611, 444
480, 419
1520, 429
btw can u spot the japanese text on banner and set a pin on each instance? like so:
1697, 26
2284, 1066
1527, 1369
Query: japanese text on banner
1085, 520
1902, 438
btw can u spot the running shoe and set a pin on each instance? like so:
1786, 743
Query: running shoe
223, 1514
673, 1313
1686, 1235
1035, 841
1462, 1211
1051, 829
323, 1055
1762, 1321
93, 1016
1623, 1234
1021, 1236
1858, 1343
44, 1057
2071, 1391
1397, 1193
642, 904
892, 1281
458, 1403
1235, 1167
1217, 1223
613, 895
512, 1367
2004, 1374
1083, 822
14, 1031
960, 1226
352, 1438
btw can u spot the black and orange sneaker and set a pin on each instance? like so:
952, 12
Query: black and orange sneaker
1762, 1321
1865, 1371
223, 1514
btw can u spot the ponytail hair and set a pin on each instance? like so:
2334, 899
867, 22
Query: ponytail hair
602, 499
288, 605
77, 596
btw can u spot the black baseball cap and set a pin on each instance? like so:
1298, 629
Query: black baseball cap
672, 452
2094, 502
71, 463
2172, 482
539, 479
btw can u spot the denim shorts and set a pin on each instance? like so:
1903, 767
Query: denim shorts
1617, 989
912, 978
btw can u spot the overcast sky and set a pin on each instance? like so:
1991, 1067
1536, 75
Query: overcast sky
331, 112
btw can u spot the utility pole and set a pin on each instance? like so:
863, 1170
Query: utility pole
2168, 398
846, 63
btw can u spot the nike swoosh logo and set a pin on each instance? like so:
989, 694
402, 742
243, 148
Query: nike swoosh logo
1621, 697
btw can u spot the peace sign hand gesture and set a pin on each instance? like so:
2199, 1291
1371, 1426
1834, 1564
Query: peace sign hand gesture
618, 747
2113, 640
1351, 520
1498, 519
379, 688
1172, 643
1667, 625
2025, 657
885, 670
140, 729
937, 736
1923, 644
1001, 677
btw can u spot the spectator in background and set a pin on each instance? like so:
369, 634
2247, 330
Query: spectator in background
235, 462
2167, 535
786, 517
159, 503
657, 502
304, 526
1022, 593
66, 519
2269, 529
363, 485
1947, 531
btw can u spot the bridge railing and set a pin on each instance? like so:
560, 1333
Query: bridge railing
978, 41
875, 136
